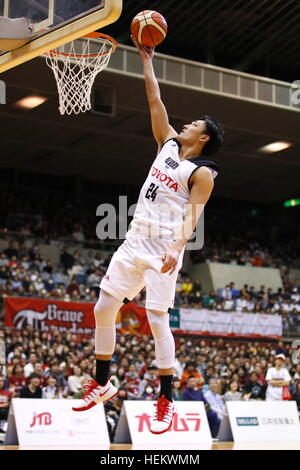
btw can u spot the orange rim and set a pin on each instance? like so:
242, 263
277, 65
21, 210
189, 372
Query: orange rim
93, 35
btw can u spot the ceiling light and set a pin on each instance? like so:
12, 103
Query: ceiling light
275, 147
31, 102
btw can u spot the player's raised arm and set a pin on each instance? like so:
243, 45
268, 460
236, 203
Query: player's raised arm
162, 130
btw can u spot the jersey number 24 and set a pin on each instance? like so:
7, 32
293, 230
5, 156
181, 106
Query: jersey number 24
152, 192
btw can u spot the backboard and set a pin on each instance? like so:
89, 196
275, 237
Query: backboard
41, 25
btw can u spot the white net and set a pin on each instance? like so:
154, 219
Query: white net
75, 66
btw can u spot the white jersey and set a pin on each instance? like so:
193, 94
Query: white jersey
161, 204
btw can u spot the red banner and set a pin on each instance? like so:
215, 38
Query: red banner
133, 319
76, 317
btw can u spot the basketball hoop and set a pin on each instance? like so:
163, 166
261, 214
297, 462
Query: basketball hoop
75, 66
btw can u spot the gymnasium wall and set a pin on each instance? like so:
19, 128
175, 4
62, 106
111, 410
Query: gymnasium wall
214, 276
295, 274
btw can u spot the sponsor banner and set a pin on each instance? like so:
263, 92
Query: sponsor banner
77, 317
244, 324
268, 325
218, 322
189, 428
132, 319
208, 322
192, 319
175, 318
264, 421
53, 423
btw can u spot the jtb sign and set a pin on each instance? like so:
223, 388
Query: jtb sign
41, 419
53, 423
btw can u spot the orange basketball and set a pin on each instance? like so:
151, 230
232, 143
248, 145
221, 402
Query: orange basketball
149, 28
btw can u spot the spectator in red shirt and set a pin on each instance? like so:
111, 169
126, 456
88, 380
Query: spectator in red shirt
243, 378
73, 286
257, 259
145, 367
13, 262
17, 379
5, 397
68, 365
133, 381
260, 376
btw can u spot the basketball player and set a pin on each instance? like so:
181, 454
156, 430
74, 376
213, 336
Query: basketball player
171, 200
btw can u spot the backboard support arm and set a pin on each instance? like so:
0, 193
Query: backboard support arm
69, 32
47, 22
6, 8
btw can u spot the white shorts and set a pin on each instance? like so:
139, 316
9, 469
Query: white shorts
136, 264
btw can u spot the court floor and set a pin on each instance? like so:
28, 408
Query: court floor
279, 445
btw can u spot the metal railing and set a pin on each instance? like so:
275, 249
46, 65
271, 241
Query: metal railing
60, 242
208, 78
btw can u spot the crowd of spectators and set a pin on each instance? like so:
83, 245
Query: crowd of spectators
25, 272
285, 301
56, 364
246, 299
242, 240
43, 215
230, 237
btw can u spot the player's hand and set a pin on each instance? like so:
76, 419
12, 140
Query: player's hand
170, 260
145, 52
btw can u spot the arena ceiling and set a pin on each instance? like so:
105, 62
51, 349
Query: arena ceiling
120, 149
254, 36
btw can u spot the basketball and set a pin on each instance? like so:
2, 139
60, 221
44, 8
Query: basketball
149, 28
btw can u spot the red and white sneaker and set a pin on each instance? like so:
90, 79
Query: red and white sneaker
95, 393
162, 419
